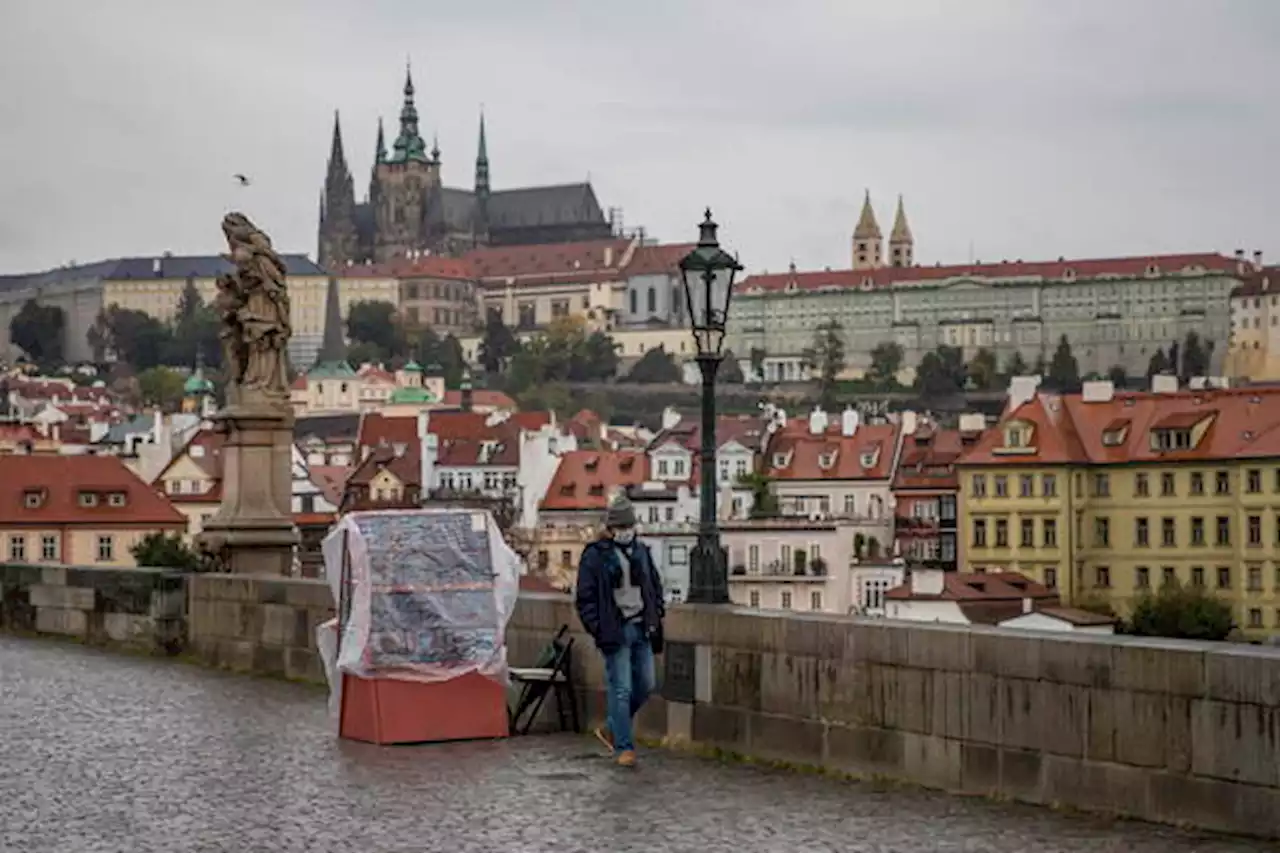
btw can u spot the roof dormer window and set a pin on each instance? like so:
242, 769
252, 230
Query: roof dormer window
826, 460
116, 499
33, 498
1015, 436
88, 499
780, 460
1171, 439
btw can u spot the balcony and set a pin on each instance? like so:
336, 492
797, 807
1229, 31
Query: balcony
776, 570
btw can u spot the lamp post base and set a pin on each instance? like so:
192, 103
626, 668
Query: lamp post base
709, 577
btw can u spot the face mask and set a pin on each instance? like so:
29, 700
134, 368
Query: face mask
624, 537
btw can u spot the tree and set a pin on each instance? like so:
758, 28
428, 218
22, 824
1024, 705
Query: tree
167, 551
161, 386
1042, 367
364, 352
941, 372
551, 397
452, 361
1016, 366
1195, 358
730, 371
886, 361
498, 346
194, 331
1118, 376
1064, 371
99, 337
594, 358
982, 369
373, 321
138, 339
1158, 363
827, 354
37, 330
757, 363
1187, 613
764, 503
655, 367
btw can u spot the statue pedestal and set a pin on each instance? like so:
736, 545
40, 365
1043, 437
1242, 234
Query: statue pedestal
253, 531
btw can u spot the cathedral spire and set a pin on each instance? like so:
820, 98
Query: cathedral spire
867, 239
482, 161
901, 230
867, 228
408, 144
337, 157
901, 243
333, 349
380, 147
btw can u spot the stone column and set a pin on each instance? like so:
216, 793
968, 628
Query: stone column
253, 531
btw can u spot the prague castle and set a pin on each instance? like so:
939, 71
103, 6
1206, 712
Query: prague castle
409, 210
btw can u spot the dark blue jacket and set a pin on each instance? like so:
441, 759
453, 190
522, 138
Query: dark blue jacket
599, 573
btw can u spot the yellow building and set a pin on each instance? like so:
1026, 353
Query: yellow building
1253, 352
1111, 495
192, 481
87, 510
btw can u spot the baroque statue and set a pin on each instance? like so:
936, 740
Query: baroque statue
253, 306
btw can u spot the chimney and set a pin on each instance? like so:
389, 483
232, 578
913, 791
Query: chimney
1098, 391
910, 420
926, 581
1163, 383
1239, 254
1026, 605
1021, 390
973, 422
848, 421
817, 421
670, 417
1257, 258
608, 256
156, 266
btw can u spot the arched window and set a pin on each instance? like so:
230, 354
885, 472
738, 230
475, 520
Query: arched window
635, 302
653, 300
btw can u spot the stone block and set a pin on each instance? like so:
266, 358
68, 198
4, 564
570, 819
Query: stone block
53, 576
129, 629
224, 587
947, 696
1063, 717
269, 660
272, 590
843, 692
1235, 741
785, 738
1214, 804
69, 597
982, 709
650, 722
1108, 788
235, 655
865, 750
875, 642
1020, 775
16, 610
908, 699
735, 680
304, 665
1140, 728
815, 635
309, 593
167, 603
940, 647
545, 612
1177, 725
679, 722
931, 761
788, 685
1080, 660
1100, 729
1244, 674
231, 619
716, 725
979, 769
737, 629
58, 620
1006, 654
1156, 665
121, 592
283, 626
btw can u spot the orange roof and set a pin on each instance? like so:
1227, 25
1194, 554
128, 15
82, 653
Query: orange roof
585, 478
486, 397
977, 586
376, 429
1238, 423
209, 460
449, 426
929, 457
649, 260
802, 452
314, 518
59, 480
428, 266
550, 260
1257, 282
1075, 270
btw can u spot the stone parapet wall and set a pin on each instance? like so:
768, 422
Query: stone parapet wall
136, 609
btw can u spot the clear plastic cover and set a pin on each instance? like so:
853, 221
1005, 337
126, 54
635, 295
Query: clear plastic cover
428, 595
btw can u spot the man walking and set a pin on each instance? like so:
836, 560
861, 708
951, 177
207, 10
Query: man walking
619, 598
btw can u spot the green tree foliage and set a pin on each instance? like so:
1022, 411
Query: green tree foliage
167, 551
1118, 375
982, 370
886, 361
1195, 357
564, 353
827, 355
38, 331
373, 321
364, 352
1187, 613
1016, 366
161, 386
941, 372
730, 372
194, 331
1158, 364
1064, 371
551, 397
137, 338
1042, 366
764, 503
656, 366
757, 363
498, 346
451, 360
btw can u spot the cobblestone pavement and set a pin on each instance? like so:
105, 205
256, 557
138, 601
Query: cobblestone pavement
100, 752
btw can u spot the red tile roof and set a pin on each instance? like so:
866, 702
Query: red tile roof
429, 266
747, 430
486, 397
378, 429
552, 260
406, 466
928, 459
649, 260
208, 458
330, 480
457, 425
1257, 282
803, 452
585, 479
1084, 268
503, 452
61, 479
978, 586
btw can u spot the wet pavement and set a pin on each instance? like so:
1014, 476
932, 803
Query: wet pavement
100, 752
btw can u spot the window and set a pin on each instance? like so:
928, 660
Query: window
1254, 579
88, 499
1101, 485
1002, 486
49, 547
1224, 530
1169, 532
635, 302
1026, 486
1222, 483
1141, 534
1142, 578
662, 467
1049, 485
653, 300
753, 559
1028, 538
979, 533
677, 467
1224, 577
1101, 532
979, 486
1168, 485
1197, 483
1050, 533
1197, 576
1002, 533
1141, 487
850, 504
1255, 617
1102, 577
1253, 481
565, 559
1051, 577
815, 600
678, 555
32, 498
755, 598
17, 547
786, 600
1197, 530
1255, 531
784, 557
1168, 575
670, 513
106, 548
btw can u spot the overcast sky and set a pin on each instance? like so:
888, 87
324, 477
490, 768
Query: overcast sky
1014, 128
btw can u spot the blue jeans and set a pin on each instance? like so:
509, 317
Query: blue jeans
629, 672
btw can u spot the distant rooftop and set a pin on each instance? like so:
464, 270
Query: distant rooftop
163, 266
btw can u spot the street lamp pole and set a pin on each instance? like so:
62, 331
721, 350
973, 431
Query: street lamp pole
707, 273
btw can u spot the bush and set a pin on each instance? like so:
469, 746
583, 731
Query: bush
168, 551
1187, 613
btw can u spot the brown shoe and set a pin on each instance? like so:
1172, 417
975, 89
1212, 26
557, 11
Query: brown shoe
627, 758
605, 737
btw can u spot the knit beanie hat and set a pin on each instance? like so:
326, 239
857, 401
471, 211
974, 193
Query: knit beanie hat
620, 512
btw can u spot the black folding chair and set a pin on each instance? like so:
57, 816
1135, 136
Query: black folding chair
553, 672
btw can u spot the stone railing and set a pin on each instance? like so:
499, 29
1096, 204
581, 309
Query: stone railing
1167, 731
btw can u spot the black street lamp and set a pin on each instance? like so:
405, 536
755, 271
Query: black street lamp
707, 274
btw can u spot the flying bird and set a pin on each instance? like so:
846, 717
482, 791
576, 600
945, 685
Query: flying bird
244, 180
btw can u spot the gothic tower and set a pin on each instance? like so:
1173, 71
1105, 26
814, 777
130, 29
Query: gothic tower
338, 240
867, 239
901, 244
405, 182
480, 227
379, 157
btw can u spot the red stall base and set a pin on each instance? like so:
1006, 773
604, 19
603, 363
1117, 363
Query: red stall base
386, 711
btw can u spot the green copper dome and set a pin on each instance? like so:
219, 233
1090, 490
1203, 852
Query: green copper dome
412, 367
413, 395
197, 384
